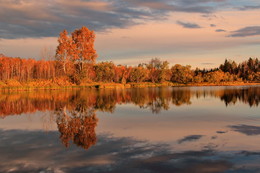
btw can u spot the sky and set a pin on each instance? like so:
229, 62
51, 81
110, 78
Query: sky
201, 33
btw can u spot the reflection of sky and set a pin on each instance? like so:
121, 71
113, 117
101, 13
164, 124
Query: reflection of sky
205, 135
35, 121
217, 125
36, 151
204, 117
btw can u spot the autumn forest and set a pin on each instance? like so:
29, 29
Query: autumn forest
75, 64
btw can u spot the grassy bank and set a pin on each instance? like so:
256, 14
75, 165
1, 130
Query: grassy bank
224, 84
59, 84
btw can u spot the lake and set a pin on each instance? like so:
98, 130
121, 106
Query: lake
171, 129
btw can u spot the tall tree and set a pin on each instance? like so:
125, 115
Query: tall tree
76, 53
84, 42
158, 70
65, 50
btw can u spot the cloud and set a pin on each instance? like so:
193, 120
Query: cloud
189, 6
190, 138
246, 129
249, 7
28, 18
208, 63
220, 30
188, 25
245, 32
210, 16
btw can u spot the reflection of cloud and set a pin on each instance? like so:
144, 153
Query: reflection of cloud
35, 151
210, 146
190, 138
250, 153
214, 137
221, 132
245, 32
246, 129
188, 25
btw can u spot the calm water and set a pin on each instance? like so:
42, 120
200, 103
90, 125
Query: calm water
188, 129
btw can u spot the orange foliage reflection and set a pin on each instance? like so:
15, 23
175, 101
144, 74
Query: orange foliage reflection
155, 99
78, 128
75, 110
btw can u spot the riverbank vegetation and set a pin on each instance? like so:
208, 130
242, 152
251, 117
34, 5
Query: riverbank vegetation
75, 65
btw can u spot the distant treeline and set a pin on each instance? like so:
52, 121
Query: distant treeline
75, 63
156, 71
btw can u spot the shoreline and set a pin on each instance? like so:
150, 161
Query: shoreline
123, 86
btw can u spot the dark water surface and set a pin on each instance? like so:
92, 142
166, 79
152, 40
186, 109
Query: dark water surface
186, 130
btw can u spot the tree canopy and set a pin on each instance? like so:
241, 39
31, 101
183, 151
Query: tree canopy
75, 62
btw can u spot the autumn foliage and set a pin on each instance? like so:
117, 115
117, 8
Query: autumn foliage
75, 64
75, 54
79, 129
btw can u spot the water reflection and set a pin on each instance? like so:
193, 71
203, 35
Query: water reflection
39, 154
200, 129
248, 130
75, 110
77, 125
249, 96
155, 99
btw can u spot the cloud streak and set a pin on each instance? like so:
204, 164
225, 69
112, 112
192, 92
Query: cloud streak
190, 138
246, 31
220, 30
249, 7
188, 25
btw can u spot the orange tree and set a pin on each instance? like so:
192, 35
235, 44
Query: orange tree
78, 51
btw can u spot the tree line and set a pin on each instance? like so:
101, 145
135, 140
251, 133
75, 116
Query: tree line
75, 62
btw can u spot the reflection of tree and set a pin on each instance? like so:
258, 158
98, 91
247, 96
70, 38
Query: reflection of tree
232, 95
16, 103
181, 96
74, 110
250, 96
155, 99
106, 100
78, 126
246, 95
